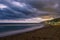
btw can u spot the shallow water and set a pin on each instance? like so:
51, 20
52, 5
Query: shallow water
11, 28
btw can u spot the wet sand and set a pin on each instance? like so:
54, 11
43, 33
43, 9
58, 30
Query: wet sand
46, 33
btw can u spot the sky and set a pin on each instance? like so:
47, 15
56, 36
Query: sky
16, 10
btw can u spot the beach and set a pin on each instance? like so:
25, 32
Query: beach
45, 33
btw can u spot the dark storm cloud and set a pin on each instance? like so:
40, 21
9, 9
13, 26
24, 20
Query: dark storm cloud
30, 9
14, 11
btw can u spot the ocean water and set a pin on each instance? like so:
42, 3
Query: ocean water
12, 28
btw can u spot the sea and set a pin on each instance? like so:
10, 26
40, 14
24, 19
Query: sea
12, 28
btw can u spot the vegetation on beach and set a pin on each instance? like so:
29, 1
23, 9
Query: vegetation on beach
54, 22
